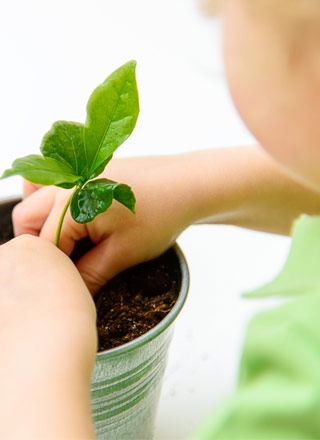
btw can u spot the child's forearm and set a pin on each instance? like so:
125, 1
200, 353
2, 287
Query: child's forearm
245, 187
237, 186
45, 391
48, 343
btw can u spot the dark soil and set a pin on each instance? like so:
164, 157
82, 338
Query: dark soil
134, 301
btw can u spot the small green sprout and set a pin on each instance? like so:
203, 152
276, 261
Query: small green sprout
74, 154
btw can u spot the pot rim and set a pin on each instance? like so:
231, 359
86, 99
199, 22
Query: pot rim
165, 322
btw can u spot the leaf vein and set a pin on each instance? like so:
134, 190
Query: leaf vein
73, 148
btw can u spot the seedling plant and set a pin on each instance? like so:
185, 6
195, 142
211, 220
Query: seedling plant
74, 154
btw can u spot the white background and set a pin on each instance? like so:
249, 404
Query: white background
53, 54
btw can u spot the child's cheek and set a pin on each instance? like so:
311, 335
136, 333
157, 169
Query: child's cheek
284, 118
279, 104
255, 64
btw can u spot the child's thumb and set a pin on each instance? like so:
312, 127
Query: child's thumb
70, 231
102, 263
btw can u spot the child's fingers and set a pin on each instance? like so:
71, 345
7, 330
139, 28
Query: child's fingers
70, 232
29, 215
29, 188
103, 262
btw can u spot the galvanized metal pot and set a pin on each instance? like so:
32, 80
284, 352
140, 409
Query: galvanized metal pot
126, 380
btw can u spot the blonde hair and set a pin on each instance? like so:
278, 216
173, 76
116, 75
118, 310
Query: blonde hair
289, 9
211, 7
298, 21
294, 11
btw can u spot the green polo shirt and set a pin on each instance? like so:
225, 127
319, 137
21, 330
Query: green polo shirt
278, 392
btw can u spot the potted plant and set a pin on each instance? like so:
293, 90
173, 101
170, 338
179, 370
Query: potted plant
127, 377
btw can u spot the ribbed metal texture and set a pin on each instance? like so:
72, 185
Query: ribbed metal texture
126, 388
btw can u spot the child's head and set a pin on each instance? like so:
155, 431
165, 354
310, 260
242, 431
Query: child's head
272, 57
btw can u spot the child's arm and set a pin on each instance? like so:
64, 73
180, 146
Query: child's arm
48, 344
248, 188
239, 186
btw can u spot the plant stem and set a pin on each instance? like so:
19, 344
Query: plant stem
59, 227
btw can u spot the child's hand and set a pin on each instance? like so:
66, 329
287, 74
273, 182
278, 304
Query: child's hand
48, 343
122, 239
238, 186
41, 293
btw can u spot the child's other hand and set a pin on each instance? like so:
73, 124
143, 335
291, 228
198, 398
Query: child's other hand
48, 343
45, 307
122, 239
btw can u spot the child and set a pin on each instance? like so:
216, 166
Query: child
273, 69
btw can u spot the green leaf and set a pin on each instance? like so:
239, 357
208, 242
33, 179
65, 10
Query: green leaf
87, 203
65, 185
124, 195
100, 169
112, 112
43, 170
96, 197
65, 143
121, 192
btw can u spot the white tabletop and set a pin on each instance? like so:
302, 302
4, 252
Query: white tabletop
54, 53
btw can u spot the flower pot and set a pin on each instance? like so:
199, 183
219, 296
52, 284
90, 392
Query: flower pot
126, 380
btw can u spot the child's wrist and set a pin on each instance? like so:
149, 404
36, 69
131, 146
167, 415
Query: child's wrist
52, 344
